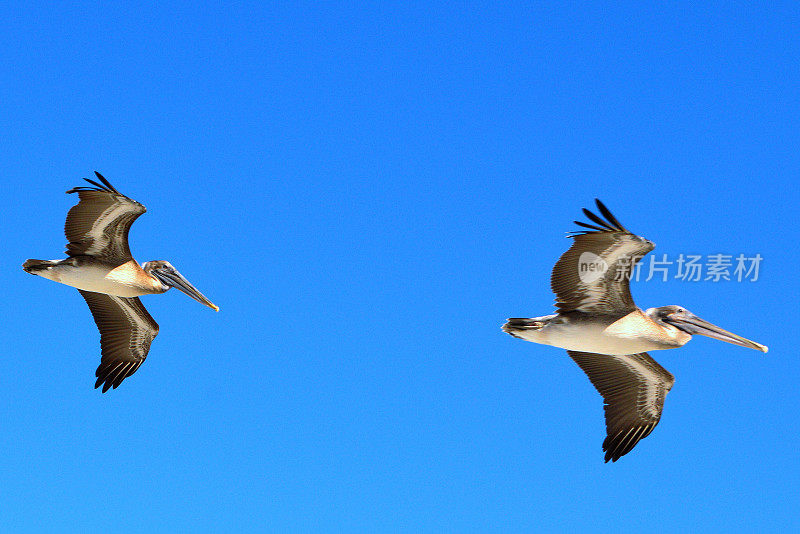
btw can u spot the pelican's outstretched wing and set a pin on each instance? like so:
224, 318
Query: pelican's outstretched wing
126, 331
98, 225
594, 274
634, 387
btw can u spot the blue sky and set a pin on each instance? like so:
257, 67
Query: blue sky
367, 193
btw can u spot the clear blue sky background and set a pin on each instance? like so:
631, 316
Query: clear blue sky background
367, 193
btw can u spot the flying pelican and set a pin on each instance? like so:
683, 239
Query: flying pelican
608, 335
101, 266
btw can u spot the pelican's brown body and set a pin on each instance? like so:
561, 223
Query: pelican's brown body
614, 334
607, 335
101, 267
96, 274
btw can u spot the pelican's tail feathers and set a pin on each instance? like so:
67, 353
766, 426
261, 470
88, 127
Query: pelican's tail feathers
518, 326
33, 266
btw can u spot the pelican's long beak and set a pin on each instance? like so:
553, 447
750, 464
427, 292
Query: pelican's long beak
691, 324
175, 279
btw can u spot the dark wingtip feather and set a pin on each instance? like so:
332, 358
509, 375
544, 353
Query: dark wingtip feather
611, 455
106, 182
608, 215
623, 442
111, 374
97, 187
104, 186
597, 220
611, 224
591, 229
585, 225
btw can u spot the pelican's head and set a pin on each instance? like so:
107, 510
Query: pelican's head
686, 321
164, 272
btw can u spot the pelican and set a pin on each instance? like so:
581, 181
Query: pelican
607, 335
101, 266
